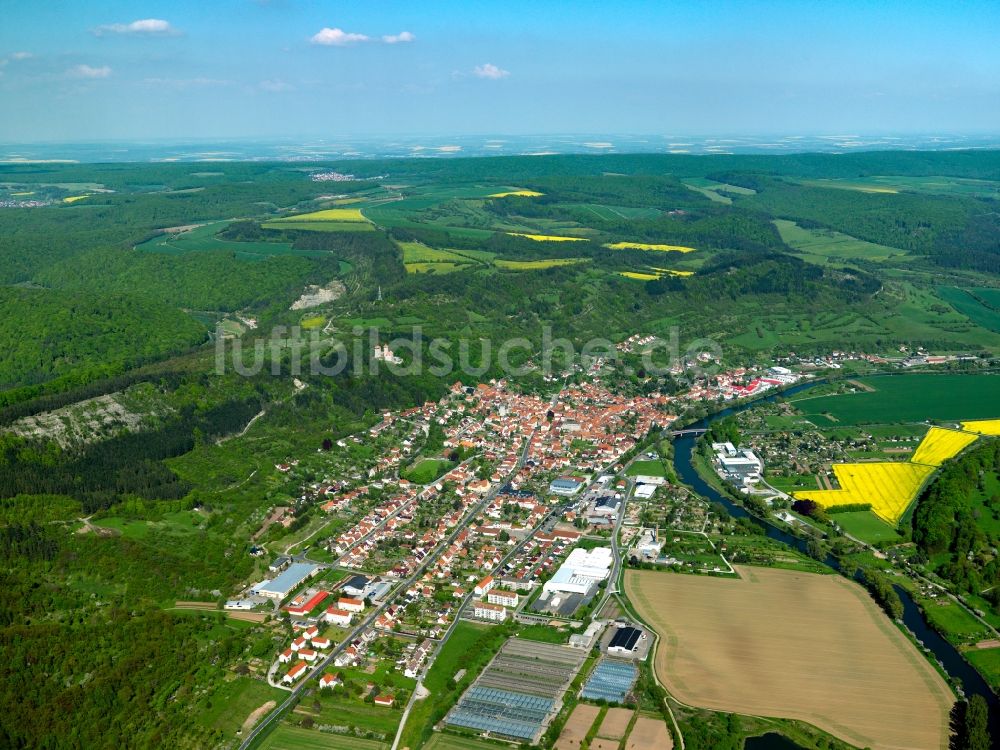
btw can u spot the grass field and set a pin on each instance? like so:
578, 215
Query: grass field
908, 398
451, 742
890, 487
649, 468
938, 184
428, 470
232, 702
831, 658
613, 213
866, 526
321, 226
287, 737
822, 245
953, 620
987, 663
940, 444
204, 239
971, 306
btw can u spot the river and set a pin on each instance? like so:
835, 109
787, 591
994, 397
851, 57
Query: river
953, 663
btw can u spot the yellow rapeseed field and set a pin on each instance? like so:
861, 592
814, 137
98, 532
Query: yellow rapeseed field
889, 487
640, 276
673, 271
75, 198
646, 246
330, 214
939, 445
517, 193
527, 265
547, 237
983, 426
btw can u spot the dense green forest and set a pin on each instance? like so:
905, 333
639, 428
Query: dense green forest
957, 521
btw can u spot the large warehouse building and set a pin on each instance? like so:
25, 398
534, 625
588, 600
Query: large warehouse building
582, 570
284, 584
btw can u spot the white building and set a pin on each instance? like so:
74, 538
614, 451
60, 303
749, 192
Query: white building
484, 586
506, 598
492, 612
739, 463
339, 617
581, 571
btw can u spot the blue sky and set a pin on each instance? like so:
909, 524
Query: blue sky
105, 69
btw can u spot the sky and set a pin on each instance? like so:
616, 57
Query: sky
135, 70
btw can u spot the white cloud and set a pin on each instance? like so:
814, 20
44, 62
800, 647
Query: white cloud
275, 85
336, 37
491, 71
21, 55
88, 71
403, 36
143, 27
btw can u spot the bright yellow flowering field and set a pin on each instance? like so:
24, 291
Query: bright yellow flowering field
939, 445
983, 426
889, 487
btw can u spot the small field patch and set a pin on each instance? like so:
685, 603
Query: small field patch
648, 246
547, 237
535, 265
983, 426
577, 727
517, 194
328, 214
647, 733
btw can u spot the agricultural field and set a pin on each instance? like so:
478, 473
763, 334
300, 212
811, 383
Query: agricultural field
577, 727
940, 444
893, 184
828, 660
649, 732
517, 194
204, 239
907, 398
972, 306
287, 737
340, 215
987, 663
866, 526
647, 246
983, 426
537, 265
825, 245
889, 487
547, 237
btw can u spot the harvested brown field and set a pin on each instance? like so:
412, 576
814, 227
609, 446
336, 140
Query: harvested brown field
615, 723
599, 744
794, 645
577, 726
649, 733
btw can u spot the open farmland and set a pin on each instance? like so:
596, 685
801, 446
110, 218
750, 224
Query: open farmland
831, 659
535, 265
822, 245
517, 194
329, 214
287, 737
577, 726
889, 487
940, 444
547, 237
648, 732
647, 246
907, 398
983, 426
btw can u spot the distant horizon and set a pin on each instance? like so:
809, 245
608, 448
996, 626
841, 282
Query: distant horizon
311, 149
